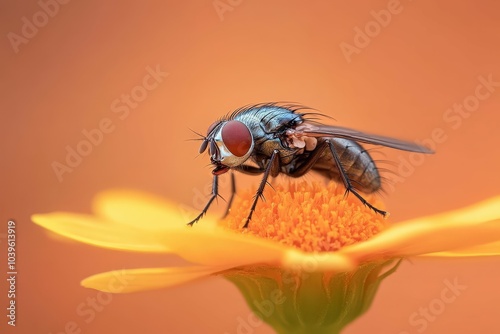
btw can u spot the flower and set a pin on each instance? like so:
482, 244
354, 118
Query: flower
311, 255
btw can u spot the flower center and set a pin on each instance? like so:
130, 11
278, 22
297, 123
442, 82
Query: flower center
311, 216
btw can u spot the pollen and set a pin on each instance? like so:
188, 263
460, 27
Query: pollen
311, 216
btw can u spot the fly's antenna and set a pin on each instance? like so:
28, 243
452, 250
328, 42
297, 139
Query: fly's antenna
204, 144
202, 137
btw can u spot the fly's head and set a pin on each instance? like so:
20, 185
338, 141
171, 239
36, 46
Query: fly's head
229, 142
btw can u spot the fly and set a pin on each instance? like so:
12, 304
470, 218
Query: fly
283, 139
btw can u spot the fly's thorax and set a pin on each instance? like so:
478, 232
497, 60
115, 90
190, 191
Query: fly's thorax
270, 118
268, 125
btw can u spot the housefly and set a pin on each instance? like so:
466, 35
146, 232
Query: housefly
280, 138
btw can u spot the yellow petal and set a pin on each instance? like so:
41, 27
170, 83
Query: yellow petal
316, 262
134, 280
98, 232
141, 210
464, 228
203, 244
483, 211
491, 249
209, 245
212, 246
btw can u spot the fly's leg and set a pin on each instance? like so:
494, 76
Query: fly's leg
308, 164
215, 193
233, 192
347, 182
271, 166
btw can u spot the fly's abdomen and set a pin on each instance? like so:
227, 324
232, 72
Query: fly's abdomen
358, 165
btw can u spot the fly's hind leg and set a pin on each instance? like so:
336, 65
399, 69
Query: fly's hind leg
347, 181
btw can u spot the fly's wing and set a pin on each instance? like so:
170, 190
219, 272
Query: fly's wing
319, 130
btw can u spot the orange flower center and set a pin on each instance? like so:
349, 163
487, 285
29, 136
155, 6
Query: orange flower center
311, 216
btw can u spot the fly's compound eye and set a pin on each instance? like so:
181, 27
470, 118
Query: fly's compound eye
237, 138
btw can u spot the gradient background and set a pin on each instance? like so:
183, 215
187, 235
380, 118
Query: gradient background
65, 78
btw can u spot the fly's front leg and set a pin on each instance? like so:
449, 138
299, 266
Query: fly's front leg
272, 166
215, 193
347, 182
233, 192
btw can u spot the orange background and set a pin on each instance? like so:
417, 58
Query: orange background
90, 53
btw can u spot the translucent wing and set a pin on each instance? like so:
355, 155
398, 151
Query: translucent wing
320, 130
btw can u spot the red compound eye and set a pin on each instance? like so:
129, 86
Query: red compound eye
237, 138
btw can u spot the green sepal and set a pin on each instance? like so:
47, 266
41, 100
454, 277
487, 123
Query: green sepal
296, 302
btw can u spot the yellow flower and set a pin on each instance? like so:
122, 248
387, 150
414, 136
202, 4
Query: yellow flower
310, 261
